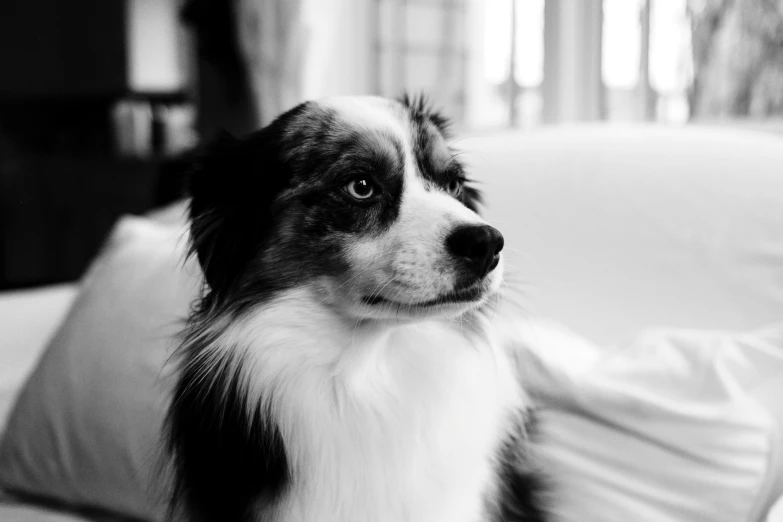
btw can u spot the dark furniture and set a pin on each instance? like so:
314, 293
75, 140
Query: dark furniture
55, 212
64, 65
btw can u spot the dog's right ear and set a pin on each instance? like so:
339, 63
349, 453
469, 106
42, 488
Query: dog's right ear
226, 187
210, 167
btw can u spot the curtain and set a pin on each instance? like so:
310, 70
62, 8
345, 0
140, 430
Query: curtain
272, 44
738, 55
250, 61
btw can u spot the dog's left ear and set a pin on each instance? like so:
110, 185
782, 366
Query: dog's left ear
232, 187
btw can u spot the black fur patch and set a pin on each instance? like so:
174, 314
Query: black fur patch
227, 454
523, 488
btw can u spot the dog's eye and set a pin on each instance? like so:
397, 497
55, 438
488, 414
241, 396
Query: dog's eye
454, 186
360, 189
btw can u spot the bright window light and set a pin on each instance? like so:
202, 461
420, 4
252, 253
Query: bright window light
530, 43
670, 46
497, 40
622, 32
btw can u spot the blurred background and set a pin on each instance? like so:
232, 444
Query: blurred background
98, 98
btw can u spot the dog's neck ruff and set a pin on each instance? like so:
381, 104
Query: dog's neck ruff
379, 422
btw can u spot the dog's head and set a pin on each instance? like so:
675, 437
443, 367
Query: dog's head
360, 199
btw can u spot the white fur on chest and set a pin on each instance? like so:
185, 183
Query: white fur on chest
380, 424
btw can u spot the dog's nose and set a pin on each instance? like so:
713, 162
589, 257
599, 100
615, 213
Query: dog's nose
479, 245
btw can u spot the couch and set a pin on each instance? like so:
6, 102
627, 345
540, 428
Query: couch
627, 238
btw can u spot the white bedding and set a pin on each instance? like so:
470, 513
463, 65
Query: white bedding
29, 513
12, 510
28, 318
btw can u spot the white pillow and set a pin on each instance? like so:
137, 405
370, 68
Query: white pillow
85, 430
677, 425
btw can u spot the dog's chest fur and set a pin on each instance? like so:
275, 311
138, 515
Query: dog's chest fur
404, 423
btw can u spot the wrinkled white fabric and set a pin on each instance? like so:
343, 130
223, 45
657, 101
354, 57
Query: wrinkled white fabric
679, 425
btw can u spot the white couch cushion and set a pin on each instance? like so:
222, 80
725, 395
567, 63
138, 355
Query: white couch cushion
613, 229
86, 428
677, 425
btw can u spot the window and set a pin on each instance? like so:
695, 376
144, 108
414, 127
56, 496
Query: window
646, 60
422, 47
523, 63
508, 63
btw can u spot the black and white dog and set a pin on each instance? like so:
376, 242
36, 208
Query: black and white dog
341, 365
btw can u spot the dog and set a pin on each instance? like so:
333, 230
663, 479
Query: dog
341, 363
